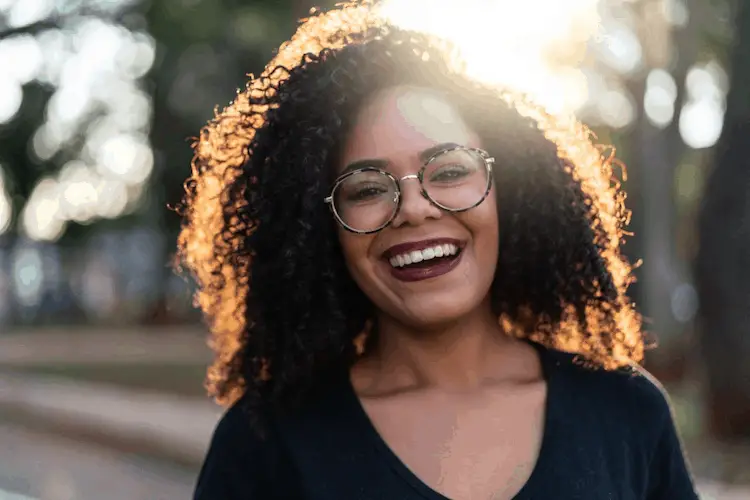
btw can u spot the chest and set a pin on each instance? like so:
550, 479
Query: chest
481, 447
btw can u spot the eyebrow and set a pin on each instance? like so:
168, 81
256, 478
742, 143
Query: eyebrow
356, 165
382, 163
438, 148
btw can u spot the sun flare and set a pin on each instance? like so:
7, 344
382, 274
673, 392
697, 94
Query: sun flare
531, 46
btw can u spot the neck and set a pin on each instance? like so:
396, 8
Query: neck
457, 357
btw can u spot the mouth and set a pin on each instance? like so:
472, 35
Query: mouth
424, 259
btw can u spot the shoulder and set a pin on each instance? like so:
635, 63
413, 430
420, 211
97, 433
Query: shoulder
631, 393
621, 410
241, 429
241, 461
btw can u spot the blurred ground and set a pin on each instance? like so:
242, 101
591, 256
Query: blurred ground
43, 346
50, 467
136, 420
172, 360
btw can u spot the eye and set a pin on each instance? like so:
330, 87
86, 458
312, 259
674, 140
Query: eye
365, 192
450, 173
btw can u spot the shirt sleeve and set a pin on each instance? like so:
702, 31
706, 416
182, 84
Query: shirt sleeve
236, 464
669, 474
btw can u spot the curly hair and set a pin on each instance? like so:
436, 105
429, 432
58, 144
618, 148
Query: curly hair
280, 304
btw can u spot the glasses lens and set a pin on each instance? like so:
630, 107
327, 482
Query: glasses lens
366, 201
457, 179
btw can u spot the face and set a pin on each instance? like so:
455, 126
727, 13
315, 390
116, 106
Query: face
392, 131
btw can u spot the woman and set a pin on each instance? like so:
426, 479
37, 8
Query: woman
415, 288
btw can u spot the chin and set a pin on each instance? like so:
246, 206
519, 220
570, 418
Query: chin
432, 310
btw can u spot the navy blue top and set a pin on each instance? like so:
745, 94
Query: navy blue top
607, 435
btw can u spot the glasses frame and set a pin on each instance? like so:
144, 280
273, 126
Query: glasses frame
489, 161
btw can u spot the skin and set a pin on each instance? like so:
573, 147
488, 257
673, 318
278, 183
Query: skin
441, 350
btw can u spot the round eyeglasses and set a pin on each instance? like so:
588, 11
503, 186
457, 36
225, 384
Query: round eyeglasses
367, 199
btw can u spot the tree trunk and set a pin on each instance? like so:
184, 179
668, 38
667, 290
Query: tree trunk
723, 263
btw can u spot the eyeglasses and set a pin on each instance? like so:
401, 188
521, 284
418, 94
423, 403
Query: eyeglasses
367, 199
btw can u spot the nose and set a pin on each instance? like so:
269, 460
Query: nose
415, 207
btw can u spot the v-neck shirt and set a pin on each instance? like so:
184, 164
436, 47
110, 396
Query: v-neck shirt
607, 435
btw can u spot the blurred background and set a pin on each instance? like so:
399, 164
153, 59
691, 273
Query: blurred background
101, 352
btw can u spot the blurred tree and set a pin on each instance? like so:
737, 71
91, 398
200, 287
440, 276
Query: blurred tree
723, 261
654, 153
22, 168
204, 50
674, 45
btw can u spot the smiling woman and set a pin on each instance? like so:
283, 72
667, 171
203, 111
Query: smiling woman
415, 287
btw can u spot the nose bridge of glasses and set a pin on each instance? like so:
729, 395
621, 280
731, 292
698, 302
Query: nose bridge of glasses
418, 186
407, 177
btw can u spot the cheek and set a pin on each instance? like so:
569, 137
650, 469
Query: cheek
490, 212
482, 222
355, 248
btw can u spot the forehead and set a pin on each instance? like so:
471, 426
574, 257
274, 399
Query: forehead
398, 123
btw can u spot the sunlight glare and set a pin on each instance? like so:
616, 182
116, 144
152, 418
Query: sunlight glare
518, 45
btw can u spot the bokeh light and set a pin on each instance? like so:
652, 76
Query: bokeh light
98, 117
660, 96
702, 117
41, 218
26, 12
11, 101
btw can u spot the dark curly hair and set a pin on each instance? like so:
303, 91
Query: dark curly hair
281, 306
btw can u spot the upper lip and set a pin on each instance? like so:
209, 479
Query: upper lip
403, 248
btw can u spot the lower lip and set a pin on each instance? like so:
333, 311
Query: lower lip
418, 274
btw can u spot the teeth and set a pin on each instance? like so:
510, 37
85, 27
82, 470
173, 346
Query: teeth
415, 256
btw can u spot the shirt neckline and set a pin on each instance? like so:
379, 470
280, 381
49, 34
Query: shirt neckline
362, 420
